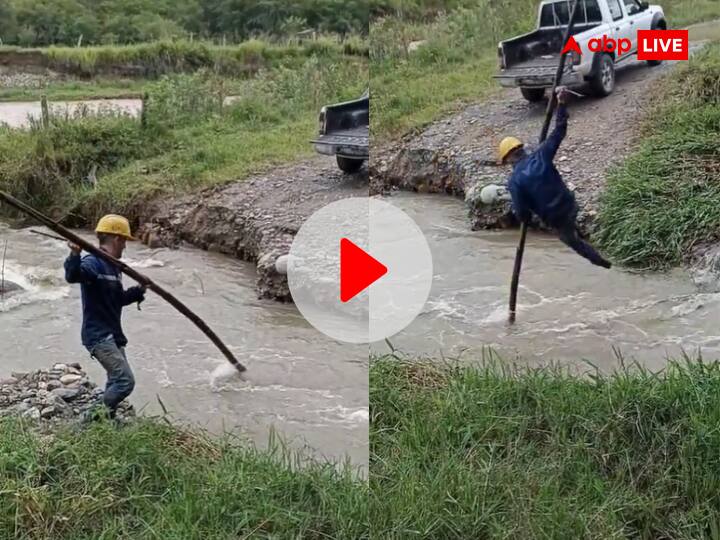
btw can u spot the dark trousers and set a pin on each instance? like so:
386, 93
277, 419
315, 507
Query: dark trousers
120, 379
569, 235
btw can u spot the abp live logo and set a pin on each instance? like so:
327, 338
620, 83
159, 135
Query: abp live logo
663, 45
652, 45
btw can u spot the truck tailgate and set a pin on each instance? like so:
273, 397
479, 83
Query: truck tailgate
349, 142
537, 72
355, 137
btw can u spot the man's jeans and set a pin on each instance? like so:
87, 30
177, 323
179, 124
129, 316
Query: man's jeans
569, 235
120, 379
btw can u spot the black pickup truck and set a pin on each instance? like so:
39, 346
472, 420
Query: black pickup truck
344, 132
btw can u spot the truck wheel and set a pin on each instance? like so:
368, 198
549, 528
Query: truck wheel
603, 83
660, 26
349, 165
533, 94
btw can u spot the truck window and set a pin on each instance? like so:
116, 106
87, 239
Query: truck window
593, 11
557, 13
615, 9
632, 7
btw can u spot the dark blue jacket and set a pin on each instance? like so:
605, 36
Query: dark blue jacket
536, 185
103, 298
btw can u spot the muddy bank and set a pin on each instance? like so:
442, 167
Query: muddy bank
255, 219
53, 395
449, 156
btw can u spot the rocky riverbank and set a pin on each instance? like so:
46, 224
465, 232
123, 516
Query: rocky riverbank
255, 219
59, 394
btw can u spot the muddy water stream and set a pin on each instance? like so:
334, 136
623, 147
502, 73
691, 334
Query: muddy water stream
568, 310
19, 114
309, 388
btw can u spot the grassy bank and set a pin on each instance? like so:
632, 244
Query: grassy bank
149, 480
482, 452
188, 141
459, 57
665, 199
153, 59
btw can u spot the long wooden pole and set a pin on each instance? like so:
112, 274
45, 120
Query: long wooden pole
134, 274
515, 282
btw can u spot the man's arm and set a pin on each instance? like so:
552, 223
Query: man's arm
550, 147
133, 294
78, 270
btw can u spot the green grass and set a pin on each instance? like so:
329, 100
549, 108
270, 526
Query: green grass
664, 199
682, 13
455, 66
74, 90
188, 142
163, 57
489, 452
149, 480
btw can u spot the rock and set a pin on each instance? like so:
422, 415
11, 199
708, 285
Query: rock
70, 378
48, 412
67, 394
74, 371
52, 385
75, 365
60, 367
8, 287
32, 413
19, 375
8, 381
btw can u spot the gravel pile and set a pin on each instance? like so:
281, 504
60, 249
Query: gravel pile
61, 393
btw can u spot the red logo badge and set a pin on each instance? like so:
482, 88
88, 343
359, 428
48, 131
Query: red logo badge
663, 45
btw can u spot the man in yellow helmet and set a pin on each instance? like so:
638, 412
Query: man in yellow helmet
103, 298
537, 187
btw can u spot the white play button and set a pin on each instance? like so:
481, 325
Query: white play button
359, 270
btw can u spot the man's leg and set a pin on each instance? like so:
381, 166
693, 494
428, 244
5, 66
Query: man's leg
568, 234
120, 379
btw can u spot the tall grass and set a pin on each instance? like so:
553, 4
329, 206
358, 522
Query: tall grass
491, 452
163, 57
665, 198
149, 480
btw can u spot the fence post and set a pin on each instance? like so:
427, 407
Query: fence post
45, 111
143, 111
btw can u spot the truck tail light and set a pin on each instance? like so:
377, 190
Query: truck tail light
322, 120
501, 57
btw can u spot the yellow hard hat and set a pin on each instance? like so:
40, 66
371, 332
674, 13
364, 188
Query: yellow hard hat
507, 145
114, 224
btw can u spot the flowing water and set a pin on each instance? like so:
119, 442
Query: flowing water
568, 310
314, 390
310, 389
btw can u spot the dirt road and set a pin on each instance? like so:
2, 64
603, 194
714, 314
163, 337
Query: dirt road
446, 157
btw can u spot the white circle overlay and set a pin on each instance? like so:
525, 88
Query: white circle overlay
384, 232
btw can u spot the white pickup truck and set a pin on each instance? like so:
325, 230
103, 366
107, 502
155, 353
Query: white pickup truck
530, 61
